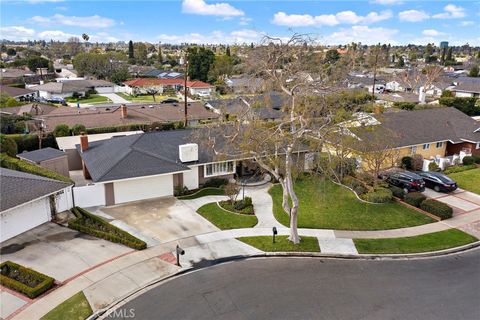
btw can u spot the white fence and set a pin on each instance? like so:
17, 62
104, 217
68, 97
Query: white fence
89, 196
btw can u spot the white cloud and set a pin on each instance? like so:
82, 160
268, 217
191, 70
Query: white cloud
387, 2
200, 7
95, 21
467, 23
363, 34
244, 21
16, 33
413, 15
57, 35
43, 1
215, 37
432, 33
451, 11
345, 17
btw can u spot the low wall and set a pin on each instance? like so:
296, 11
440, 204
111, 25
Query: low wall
89, 196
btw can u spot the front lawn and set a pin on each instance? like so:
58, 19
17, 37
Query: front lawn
226, 220
325, 205
282, 244
144, 98
468, 180
424, 243
202, 193
92, 99
75, 308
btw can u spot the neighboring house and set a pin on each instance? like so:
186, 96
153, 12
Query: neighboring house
68, 88
19, 94
241, 109
391, 98
394, 86
14, 76
67, 145
29, 200
34, 109
151, 165
432, 133
115, 115
48, 158
65, 71
467, 90
162, 74
142, 85
245, 84
358, 82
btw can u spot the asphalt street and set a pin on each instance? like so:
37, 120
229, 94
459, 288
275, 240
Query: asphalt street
310, 288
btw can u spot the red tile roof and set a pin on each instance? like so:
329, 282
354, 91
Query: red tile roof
140, 82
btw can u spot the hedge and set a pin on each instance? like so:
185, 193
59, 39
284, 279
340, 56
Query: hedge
415, 198
437, 208
29, 142
468, 160
215, 183
40, 282
24, 166
397, 192
455, 169
93, 225
155, 126
380, 195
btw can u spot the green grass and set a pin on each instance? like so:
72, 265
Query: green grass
224, 219
282, 244
424, 243
325, 205
144, 98
202, 193
468, 180
75, 308
92, 99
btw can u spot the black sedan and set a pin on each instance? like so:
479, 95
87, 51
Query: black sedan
438, 181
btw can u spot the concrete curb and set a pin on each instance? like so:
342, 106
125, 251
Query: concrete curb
471, 246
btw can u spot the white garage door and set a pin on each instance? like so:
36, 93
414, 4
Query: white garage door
143, 188
24, 218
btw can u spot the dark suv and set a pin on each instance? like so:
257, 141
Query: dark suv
408, 181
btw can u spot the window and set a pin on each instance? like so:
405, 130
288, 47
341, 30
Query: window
220, 168
426, 146
477, 146
413, 149
439, 145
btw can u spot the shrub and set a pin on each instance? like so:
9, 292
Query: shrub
476, 159
360, 190
93, 225
468, 160
20, 165
215, 183
415, 198
61, 130
397, 192
432, 166
466, 105
244, 206
381, 195
78, 128
232, 190
8, 146
24, 280
437, 208
180, 191
455, 169
417, 162
366, 178
404, 105
407, 162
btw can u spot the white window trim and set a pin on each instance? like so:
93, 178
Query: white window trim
413, 149
218, 173
439, 144
427, 146
477, 146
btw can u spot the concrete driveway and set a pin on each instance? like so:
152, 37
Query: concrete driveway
461, 201
159, 220
58, 251
114, 97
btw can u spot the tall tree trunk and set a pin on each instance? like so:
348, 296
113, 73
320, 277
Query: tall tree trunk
292, 195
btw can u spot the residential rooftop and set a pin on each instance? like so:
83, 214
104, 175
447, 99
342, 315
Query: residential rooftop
40, 155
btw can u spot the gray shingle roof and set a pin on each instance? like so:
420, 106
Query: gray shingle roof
72, 86
424, 126
20, 187
41, 154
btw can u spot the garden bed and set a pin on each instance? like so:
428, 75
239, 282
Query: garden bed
239, 206
224, 219
93, 225
24, 280
202, 193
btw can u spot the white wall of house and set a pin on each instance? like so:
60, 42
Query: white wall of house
120, 89
143, 188
105, 89
49, 95
201, 91
89, 196
64, 200
190, 178
23, 218
463, 94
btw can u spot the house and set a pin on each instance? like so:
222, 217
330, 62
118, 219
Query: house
19, 94
68, 145
162, 74
134, 114
69, 87
33, 109
432, 133
150, 165
467, 90
240, 109
366, 82
64, 70
29, 200
390, 98
13, 75
142, 85
245, 84
48, 158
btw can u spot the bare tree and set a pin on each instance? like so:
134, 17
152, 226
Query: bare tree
278, 146
152, 91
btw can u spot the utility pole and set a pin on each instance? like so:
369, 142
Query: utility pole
185, 88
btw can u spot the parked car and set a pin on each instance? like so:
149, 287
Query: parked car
408, 181
169, 100
438, 181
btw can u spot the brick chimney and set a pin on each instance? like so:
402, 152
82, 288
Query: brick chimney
83, 142
123, 110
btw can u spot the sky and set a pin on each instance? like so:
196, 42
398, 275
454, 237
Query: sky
200, 21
